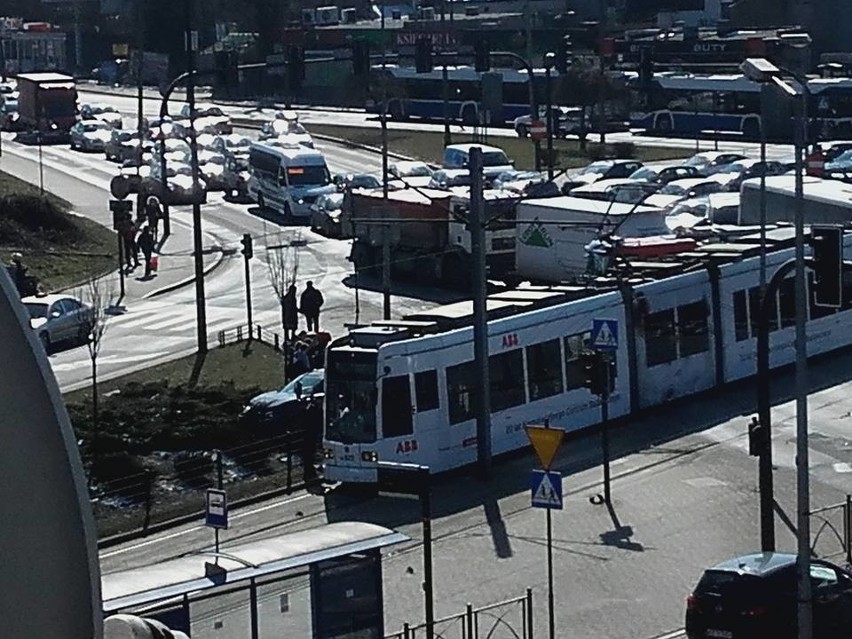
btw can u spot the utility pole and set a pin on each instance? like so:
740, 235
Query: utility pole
248, 253
445, 90
386, 257
476, 228
140, 126
201, 311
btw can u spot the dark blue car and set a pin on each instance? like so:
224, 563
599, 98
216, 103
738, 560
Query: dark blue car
292, 408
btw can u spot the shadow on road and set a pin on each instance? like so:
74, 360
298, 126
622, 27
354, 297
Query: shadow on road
620, 535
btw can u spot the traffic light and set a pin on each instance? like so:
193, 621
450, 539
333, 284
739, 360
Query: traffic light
361, 58
827, 262
646, 66
564, 53
481, 56
758, 438
597, 369
295, 66
248, 248
423, 55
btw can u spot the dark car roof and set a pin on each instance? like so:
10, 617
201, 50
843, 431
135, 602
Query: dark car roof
758, 564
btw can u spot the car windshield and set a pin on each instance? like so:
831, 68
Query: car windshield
309, 381
308, 175
36, 309
351, 397
844, 157
596, 167
645, 173
364, 182
673, 189
494, 158
697, 160
462, 179
88, 127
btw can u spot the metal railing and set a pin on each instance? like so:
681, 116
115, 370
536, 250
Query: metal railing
510, 619
832, 531
244, 332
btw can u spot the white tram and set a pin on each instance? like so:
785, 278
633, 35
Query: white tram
403, 391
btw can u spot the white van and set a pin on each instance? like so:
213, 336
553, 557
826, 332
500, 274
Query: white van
287, 179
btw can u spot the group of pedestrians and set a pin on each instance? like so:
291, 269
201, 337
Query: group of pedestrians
309, 305
141, 235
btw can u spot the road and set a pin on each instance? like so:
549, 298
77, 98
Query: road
161, 327
684, 498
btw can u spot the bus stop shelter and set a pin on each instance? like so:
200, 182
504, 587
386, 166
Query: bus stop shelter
322, 582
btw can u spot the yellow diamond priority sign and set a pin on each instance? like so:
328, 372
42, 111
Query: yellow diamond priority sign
545, 442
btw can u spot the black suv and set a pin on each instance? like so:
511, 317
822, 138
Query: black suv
755, 596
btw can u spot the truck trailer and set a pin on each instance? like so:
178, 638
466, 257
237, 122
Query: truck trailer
552, 233
427, 234
47, 104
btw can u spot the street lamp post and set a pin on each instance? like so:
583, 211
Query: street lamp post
549, 62
761, 70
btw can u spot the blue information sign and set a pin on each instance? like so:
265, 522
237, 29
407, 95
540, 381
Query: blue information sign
546, 489
216, 509
604, 335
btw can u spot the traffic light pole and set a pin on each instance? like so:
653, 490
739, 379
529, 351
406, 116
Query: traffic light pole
605, 364
247, 255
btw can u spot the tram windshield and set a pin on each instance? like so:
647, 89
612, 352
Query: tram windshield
351, 397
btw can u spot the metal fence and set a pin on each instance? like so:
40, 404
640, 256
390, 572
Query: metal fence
510, 619
831, 531
244, 332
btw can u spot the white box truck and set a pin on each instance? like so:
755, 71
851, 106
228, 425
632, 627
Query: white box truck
552, 233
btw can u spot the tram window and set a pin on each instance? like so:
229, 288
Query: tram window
426, 390
754, 310
574, 374
822, 311
787, 297
396, 407
544, 369
660, 338
741, 325
693, 330
461, 389
506, 371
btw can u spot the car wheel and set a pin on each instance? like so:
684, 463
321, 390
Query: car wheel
44, 338
523, 130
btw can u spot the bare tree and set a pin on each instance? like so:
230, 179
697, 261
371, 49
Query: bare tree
282, 261
91, 329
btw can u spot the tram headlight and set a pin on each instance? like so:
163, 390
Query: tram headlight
369, 456
328, 453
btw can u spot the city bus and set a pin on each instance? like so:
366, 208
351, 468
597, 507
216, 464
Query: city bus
421, 95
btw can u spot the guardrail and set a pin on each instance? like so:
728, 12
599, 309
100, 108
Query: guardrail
510, 619
256, 332
833, 536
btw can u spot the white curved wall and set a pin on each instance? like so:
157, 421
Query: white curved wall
49, 574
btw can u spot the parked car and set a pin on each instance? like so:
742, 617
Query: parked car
737, 172
208, 118
832, 148
288, 130
755, 596
616, 190
715, 208
103, 112
445, 179
517, 181
709, 162
600, 170
494, 159
357, 181
90, 135
287, 409
59, 319
411, 172
692, 187
123, 146
325, 214
568, 121
8, 98
664, 174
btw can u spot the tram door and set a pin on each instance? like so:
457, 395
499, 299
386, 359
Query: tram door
346, 598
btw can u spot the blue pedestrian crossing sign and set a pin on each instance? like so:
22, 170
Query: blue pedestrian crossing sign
546, 489
604, 335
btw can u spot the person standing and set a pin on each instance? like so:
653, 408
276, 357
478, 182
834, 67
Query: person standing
310, 304
152, 208
18, 273
131, 250
290, 314
146, 245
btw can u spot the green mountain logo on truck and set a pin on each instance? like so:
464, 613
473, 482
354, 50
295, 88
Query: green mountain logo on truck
536, 235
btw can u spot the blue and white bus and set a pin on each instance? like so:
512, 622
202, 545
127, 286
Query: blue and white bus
689, 104
421, 95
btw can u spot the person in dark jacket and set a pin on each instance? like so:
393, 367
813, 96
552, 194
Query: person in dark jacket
131, 250
152, 208
290, 314
310, 304
145, 242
